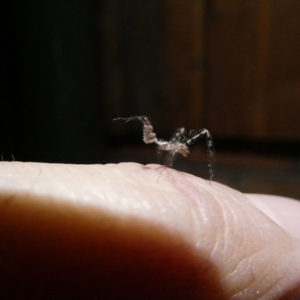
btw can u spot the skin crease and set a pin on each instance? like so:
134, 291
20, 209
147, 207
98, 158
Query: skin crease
117, 232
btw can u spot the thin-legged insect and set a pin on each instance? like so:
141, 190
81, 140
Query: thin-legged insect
178, 143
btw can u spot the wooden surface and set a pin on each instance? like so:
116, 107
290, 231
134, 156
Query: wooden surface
183, 40
155, 63
254, 69
231, 66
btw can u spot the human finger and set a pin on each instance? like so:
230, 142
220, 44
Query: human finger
116, 231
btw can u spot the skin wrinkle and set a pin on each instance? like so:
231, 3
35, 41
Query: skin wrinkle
248, 210
237, 247
245, 260
272, 206
246, 293
162, 192
188, 189
226, 230
248, 290
219, 233
203, 216
258, 212
281, 278
185, 187
243, 295
242, 262
196, 222
231, 260
241, 265
244, 205
234, 230
188, 214
208, 212
249, 259
267, 293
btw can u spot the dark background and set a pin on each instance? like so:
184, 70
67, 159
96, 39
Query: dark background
69, 67
52, 101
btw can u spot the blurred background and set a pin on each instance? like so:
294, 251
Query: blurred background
69, 67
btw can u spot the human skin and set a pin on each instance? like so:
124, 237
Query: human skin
130, 231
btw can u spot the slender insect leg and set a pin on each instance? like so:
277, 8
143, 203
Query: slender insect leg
148, 135
211, 155
168, 159
194, 136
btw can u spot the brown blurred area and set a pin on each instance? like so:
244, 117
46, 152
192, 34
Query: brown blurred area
232, 67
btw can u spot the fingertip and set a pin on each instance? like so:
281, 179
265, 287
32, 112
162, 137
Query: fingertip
284, 211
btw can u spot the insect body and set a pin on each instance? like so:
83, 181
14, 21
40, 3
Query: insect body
178, 143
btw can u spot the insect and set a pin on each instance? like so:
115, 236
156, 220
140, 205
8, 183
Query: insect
178, 143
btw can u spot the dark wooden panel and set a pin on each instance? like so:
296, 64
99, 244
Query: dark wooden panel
183, 64
232, 54
154, 55
283, 74
254, 69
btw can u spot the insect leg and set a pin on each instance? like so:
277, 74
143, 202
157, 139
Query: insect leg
194, 136
148, 135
